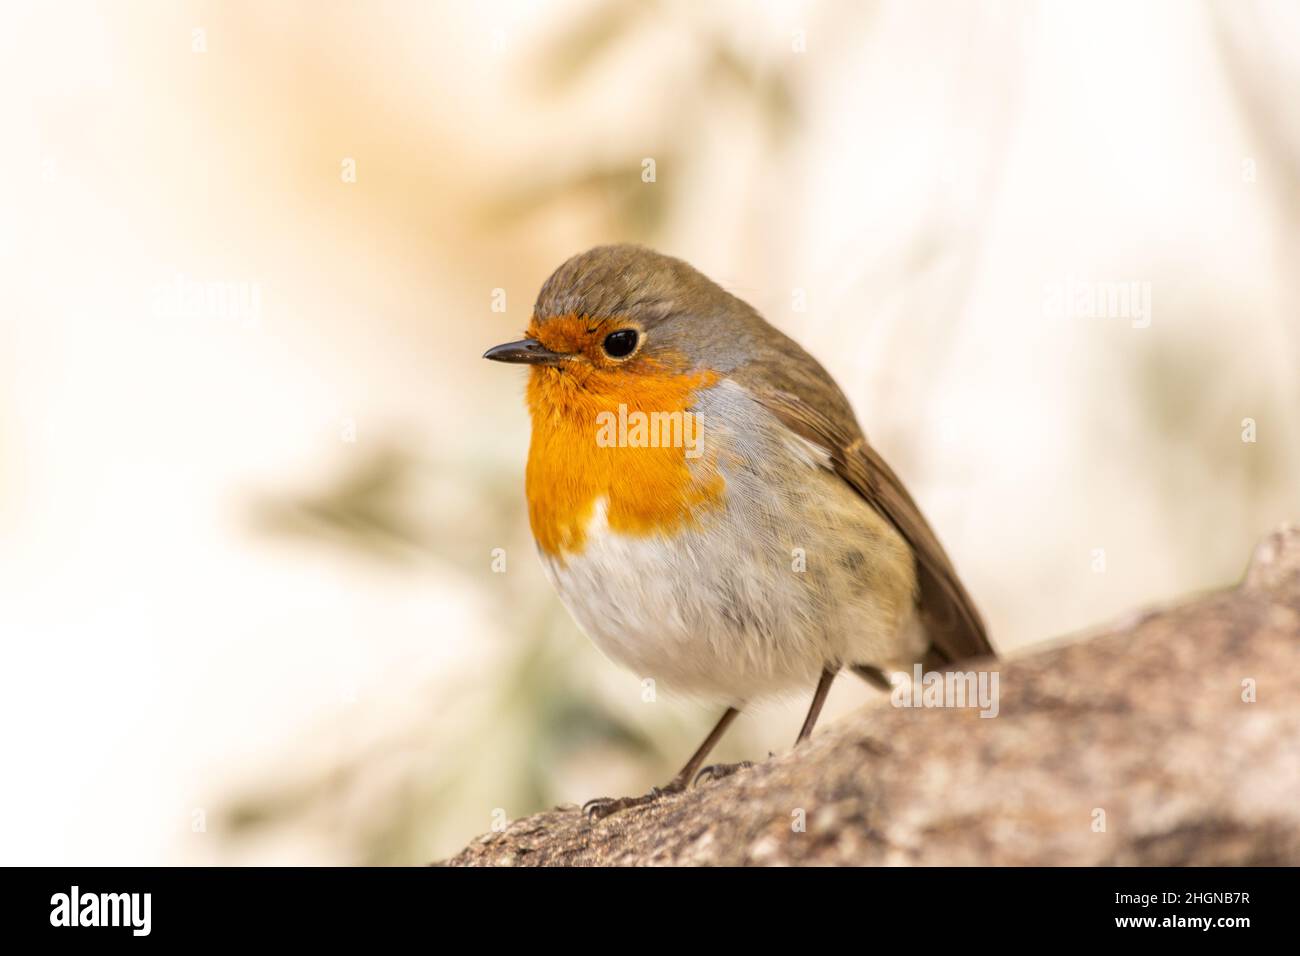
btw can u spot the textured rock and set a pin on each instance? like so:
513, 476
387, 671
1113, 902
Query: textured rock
1144, 723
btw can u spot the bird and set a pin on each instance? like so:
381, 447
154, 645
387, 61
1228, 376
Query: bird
707, 506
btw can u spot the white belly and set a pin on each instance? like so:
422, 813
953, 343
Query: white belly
730, 610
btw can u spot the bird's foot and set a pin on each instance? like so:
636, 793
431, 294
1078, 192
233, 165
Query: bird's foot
602, 807
719, 770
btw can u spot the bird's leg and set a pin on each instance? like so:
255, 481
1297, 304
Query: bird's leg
718, 771
815, 708
604, 806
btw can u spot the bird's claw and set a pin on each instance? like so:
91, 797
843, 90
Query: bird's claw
602, 807
719, 770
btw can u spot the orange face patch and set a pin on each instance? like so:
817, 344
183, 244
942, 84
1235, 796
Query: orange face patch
646, 489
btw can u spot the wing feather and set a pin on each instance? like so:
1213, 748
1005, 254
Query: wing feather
950, 617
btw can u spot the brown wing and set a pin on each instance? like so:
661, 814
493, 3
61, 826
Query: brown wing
949, 615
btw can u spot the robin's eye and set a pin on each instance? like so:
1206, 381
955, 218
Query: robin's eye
620, 344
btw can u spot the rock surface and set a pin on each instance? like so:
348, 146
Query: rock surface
1139, 745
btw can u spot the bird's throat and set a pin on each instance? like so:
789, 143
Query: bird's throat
649, 484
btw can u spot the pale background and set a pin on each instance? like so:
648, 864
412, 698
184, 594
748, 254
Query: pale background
246, 598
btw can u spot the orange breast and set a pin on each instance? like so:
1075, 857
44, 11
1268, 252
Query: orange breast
646, 489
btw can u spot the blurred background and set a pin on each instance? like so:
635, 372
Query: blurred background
254, 473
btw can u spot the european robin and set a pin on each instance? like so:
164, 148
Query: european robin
706, 504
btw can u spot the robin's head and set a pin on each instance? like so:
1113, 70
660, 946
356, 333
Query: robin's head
619, 313
618, 331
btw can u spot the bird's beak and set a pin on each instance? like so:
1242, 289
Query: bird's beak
524, 352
